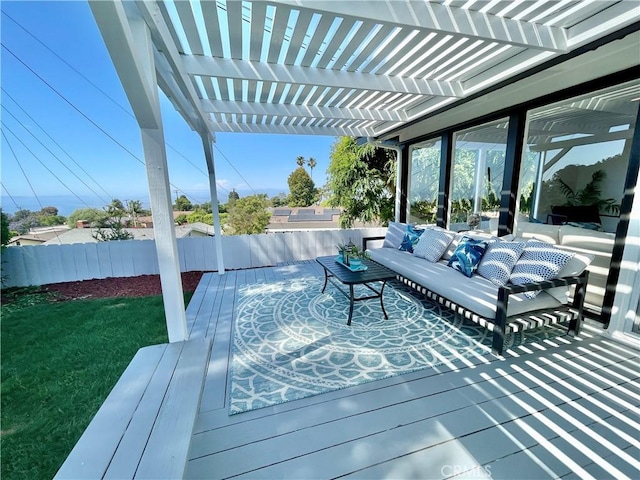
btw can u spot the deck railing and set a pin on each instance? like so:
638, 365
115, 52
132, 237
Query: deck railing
45, 264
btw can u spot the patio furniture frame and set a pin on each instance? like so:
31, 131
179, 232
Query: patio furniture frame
501, 325
344, 276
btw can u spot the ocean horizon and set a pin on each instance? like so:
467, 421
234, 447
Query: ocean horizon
67, 204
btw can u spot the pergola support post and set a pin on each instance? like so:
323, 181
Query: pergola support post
207, 142
129, 43
164, 233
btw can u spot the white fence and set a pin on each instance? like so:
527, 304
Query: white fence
45, 264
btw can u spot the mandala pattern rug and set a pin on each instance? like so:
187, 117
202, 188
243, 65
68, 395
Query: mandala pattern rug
291, 342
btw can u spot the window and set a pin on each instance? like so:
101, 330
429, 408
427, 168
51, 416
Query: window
478, 169
424, 181
576, 159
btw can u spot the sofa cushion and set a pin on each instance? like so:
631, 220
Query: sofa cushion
578, 263
395, 234
476, 294
410, 238
539, 261
499, 260
541, 231
432, 244
467, 255
587, 239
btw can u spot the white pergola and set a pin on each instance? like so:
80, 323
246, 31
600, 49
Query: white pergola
342, 67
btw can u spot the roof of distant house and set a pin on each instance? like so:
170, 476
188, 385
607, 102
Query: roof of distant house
85, 235
39, 234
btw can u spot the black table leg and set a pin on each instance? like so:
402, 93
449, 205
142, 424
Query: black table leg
326, 277
386, 317
350, 304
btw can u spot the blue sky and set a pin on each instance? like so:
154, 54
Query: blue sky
81, 160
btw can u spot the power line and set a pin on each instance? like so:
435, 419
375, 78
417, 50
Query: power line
81, 113
236, 170
39, 161
10, 196
25, 177
55, 156
123, 108
56, 143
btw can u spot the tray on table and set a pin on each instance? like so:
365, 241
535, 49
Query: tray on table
360, 268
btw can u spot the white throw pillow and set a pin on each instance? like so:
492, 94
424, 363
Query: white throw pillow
539, 261
578, 263
499, 260
432, 244
395, 234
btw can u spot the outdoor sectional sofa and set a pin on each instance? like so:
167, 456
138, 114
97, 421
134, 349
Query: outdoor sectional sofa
501, 308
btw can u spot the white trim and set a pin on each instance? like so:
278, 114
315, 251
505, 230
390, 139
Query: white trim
625, 302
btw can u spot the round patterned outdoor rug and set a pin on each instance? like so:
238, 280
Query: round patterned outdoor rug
291, 341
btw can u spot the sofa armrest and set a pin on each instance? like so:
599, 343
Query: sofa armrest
503, 297
366, 240
545, 284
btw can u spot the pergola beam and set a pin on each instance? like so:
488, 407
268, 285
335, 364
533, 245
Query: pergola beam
289, 129
428, 16
302, 111
267, 72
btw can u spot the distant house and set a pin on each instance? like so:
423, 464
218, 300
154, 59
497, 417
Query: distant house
38, 236
289, 219
147, 221
85, 235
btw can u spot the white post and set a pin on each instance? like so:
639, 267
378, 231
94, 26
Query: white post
481, 162
542, 160
130, 46
207, 142
398, 186
164, 233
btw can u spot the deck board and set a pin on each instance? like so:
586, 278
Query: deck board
545, 409
564, 408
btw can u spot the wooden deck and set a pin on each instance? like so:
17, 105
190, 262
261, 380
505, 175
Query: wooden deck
566, 409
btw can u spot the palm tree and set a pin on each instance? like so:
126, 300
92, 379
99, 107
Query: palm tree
300, 161
312, 164
134, 208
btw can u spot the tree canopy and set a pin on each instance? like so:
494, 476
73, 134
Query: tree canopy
302, 190
248, 215
94, 216
4, 232
361, 182
183, 204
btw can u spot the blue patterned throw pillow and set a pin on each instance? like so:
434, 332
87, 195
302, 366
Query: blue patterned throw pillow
467, 255
499, 260
410, 239
539, 261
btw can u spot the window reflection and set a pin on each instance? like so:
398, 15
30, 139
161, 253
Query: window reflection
478, 170
424, 182
576, 159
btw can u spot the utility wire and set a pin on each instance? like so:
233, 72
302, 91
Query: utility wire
236, 170
65, 62
25, 177
4, 126
56, 143
10, 196
123, 108
56, 157
85, 116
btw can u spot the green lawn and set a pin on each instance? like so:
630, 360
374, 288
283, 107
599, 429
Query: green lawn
59, 363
